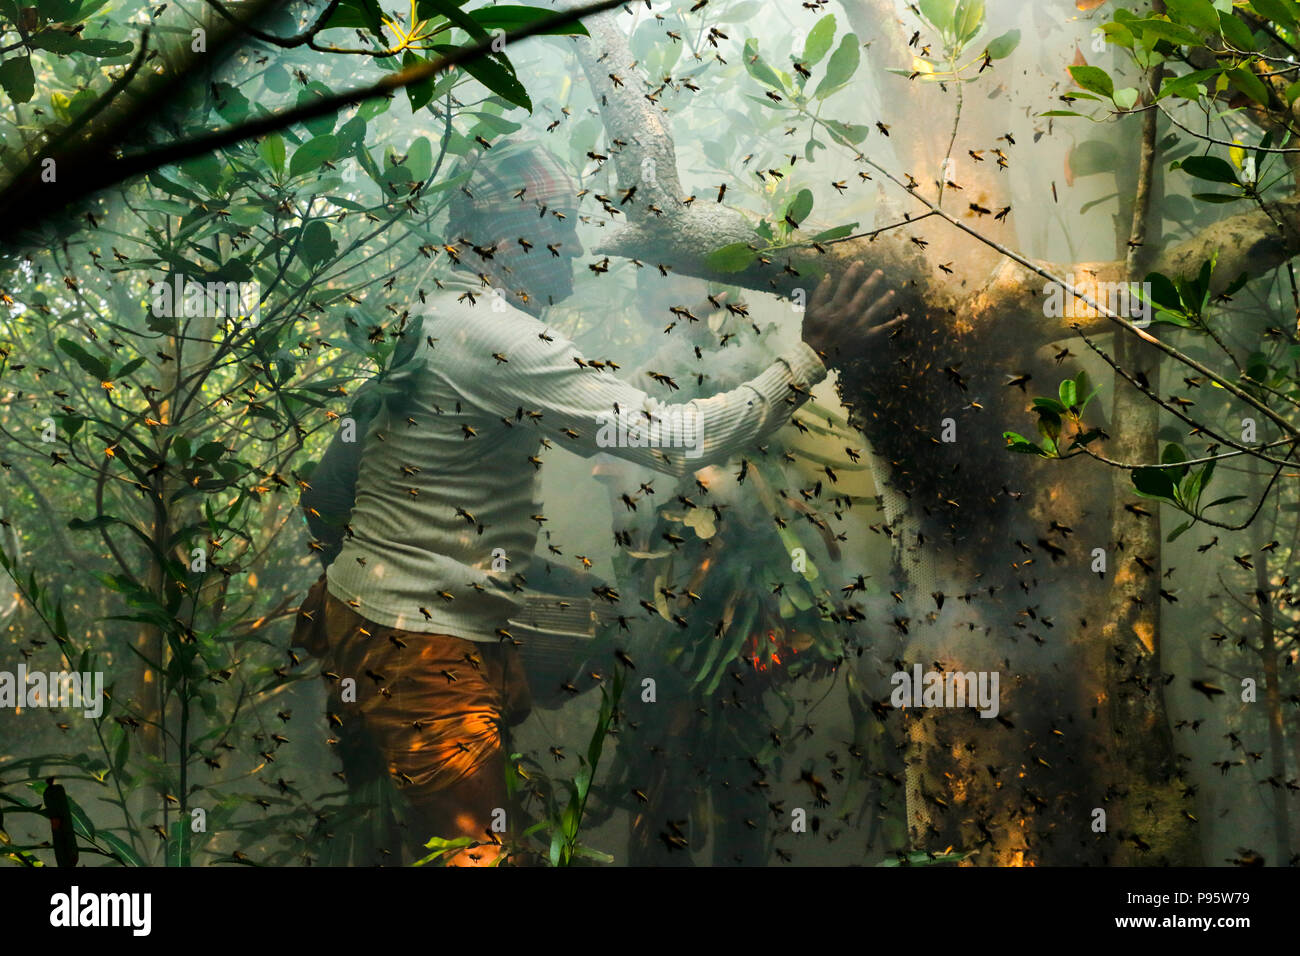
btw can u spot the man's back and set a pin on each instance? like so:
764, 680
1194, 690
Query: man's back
448, 485
444, 485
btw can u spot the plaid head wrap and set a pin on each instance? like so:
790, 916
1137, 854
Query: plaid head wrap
497, 176
519, 190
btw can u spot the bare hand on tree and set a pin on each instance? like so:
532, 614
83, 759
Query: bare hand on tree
850, 312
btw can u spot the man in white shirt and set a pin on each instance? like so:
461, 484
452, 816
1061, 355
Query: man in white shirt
415, 605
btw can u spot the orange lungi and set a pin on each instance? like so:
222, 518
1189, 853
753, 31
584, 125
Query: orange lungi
429, 708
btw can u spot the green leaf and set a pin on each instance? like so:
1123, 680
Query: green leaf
968, 20
1118, 34
1153, 483
1213, 168
57, 41
582, 781
733, 257
841, 66
419, 159
1197, 13
17, 78
204, 170
93, 364
1164, 30
421, 93
1250, 84
123, 851
128, 368
1174, 454
1126, 98
1049, 427
1236, 32
1187, 84
276, 78
800, 206
1217, 197
358, 13
1224, 501
839, 232
1048, 406
1093, 78
1279, 11
758, 68
230, 103
1178, 532
317, 243
1018, 442
849, 134
939, 13
1069, 393
495, 77
209, 451
451, 10
92, 524
311, 154
271, 149
511, 17
1083, 387
1003, 46
819, 41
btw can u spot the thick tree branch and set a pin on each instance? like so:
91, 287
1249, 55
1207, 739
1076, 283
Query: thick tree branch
649, 160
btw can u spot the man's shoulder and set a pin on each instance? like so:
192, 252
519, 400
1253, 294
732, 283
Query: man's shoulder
486, 331
486, 318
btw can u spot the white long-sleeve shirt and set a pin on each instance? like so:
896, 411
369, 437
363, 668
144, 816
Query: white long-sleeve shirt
447, 490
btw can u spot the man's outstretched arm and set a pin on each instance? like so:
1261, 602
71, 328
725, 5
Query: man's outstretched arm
504, 362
